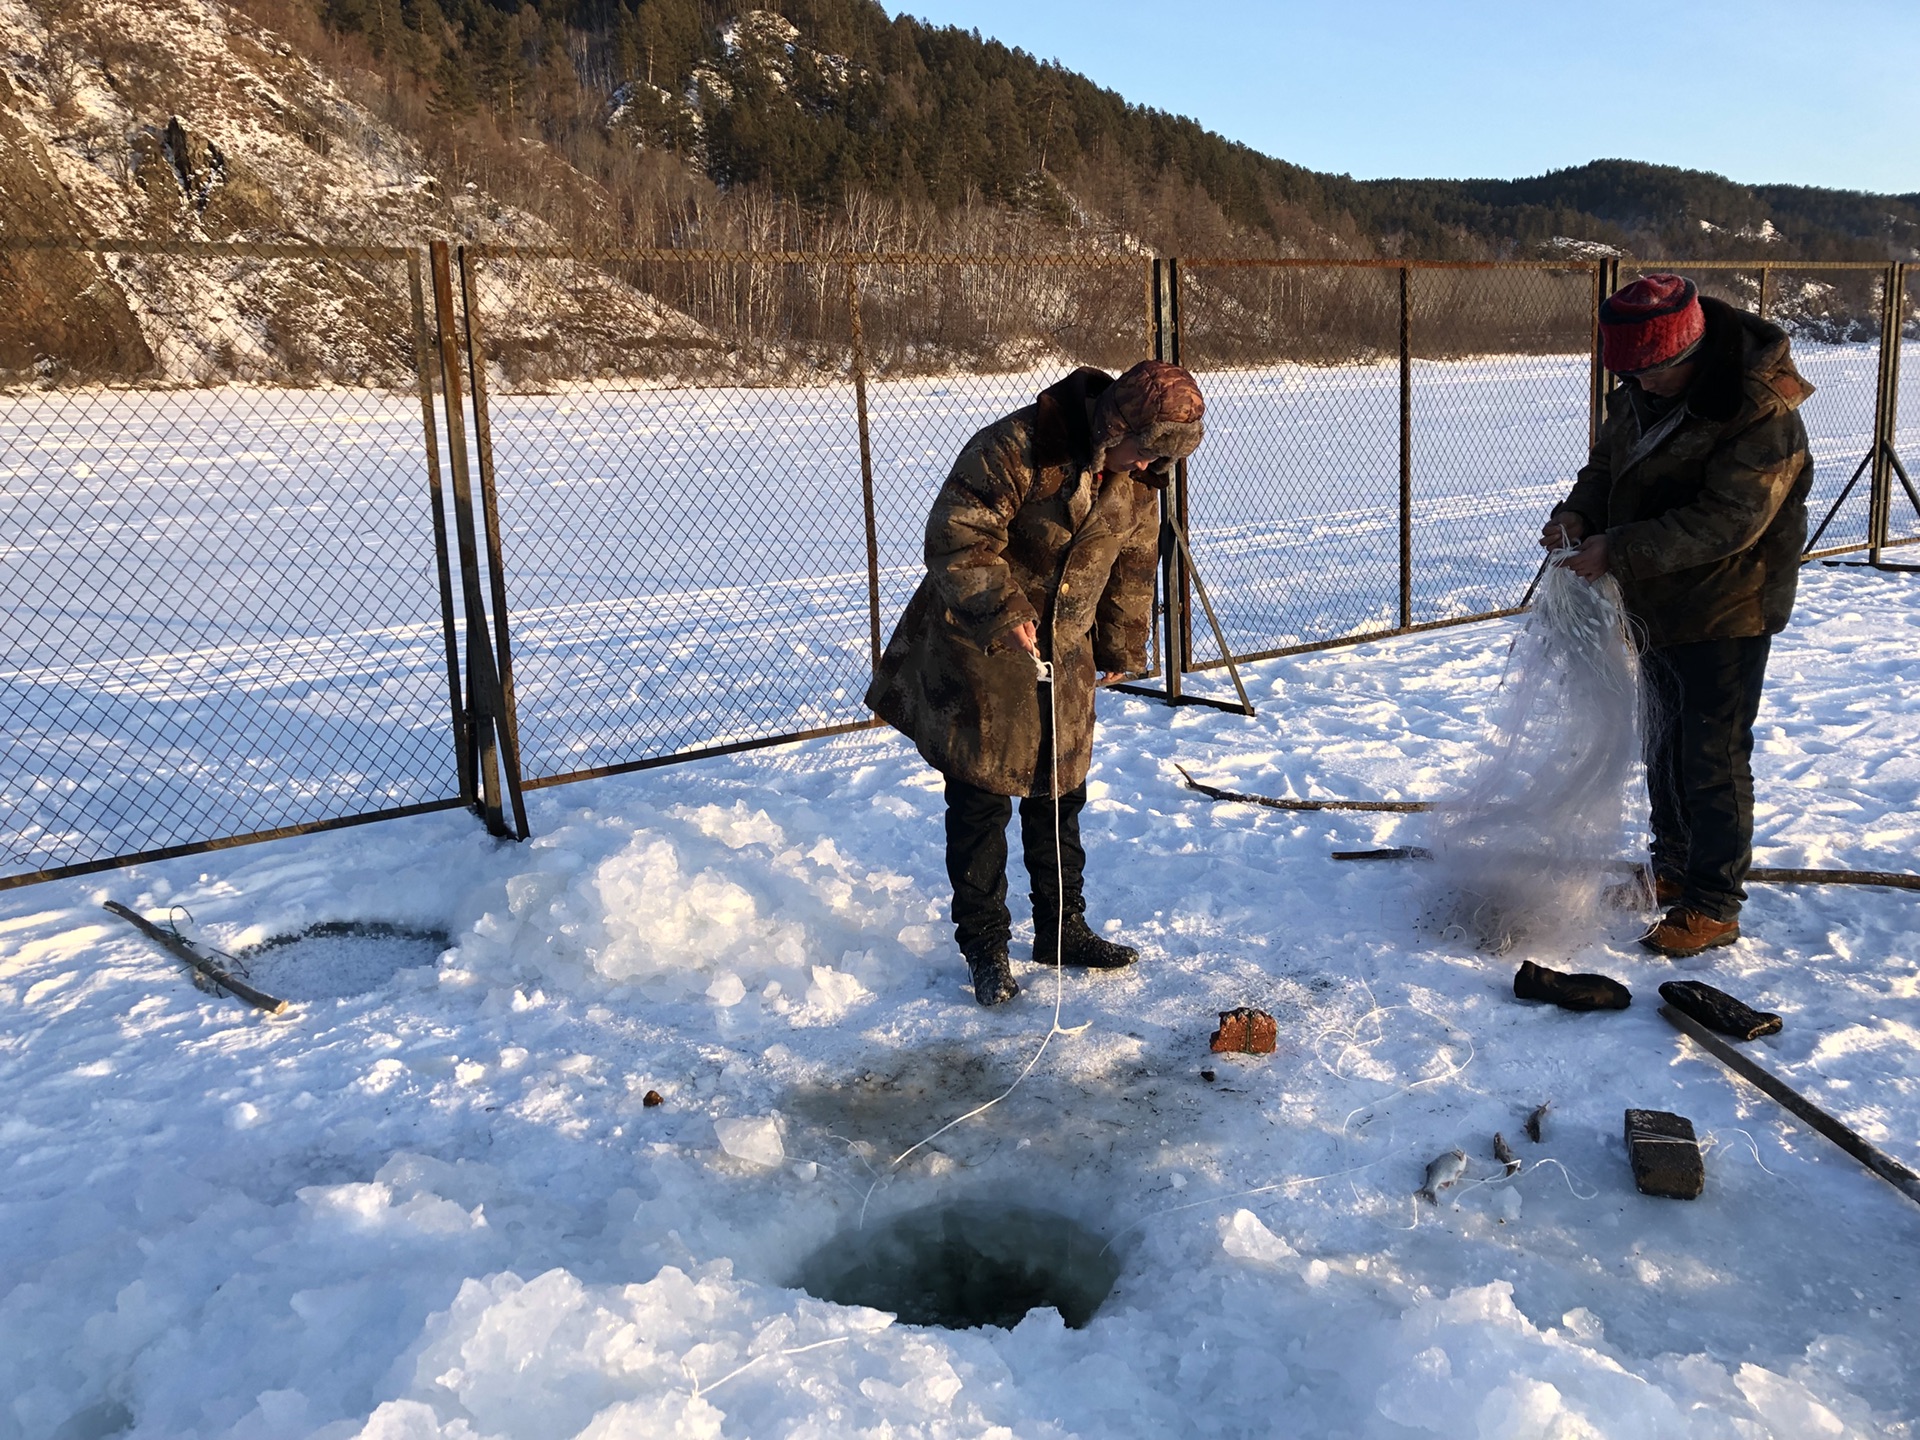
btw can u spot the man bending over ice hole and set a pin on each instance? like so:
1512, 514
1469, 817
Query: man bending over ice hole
1694, 498
1040, 546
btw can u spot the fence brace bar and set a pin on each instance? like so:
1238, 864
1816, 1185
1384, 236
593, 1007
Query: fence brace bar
508, 721
485, 704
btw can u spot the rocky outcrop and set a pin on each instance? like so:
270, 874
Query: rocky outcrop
177, 162
61, 315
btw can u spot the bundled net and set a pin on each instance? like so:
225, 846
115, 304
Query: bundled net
1526, 853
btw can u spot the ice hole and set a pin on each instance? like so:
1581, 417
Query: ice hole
966, 1264
339, 958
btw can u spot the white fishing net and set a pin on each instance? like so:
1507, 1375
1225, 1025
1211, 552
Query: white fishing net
1526, 854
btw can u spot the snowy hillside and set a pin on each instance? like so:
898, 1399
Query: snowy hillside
182, 120
432, 1200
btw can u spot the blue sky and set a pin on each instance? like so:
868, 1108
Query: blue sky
1812, 92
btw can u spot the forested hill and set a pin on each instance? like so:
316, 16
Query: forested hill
798, 123
812, 100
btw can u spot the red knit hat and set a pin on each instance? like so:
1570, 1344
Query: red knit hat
1655, 321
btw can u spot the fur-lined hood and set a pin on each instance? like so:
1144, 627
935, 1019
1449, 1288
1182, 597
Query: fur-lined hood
1744, 362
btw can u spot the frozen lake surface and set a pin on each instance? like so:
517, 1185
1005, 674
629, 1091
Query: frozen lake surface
431, 1202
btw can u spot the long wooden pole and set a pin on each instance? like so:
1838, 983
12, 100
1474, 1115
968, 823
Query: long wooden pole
1396, 807
1882, 1164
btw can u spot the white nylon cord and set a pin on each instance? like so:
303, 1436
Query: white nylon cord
1045, 678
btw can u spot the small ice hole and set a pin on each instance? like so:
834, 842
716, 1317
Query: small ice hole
339, 958
966, 1264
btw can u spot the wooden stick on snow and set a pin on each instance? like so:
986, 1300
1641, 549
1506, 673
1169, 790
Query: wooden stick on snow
181, 950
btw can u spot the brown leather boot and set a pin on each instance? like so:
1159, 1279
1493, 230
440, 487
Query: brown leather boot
1687, 932
1667, 890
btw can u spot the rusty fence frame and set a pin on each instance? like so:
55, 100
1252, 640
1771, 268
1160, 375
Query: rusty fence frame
474, 713
471, 561
1180, 639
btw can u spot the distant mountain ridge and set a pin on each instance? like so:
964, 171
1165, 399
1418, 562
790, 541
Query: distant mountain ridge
800, 123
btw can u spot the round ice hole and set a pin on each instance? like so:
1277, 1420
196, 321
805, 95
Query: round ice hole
966, 1264
338, 958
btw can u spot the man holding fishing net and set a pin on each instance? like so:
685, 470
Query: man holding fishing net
1040, 548
1694, 499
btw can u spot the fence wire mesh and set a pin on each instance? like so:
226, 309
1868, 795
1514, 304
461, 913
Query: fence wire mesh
676, 456
222, 611
1502, 372
1904, 514
1293, 502
228, 616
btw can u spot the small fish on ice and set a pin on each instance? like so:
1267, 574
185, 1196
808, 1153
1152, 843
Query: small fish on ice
1443, 1172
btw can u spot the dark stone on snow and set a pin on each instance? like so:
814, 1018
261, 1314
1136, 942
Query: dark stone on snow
1718, 1010
1570, 992
1665, 1155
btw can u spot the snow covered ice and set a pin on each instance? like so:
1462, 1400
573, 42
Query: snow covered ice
438, 1206
430, 1201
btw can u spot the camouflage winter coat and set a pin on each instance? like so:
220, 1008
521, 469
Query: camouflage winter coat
1705, 509
1022, 530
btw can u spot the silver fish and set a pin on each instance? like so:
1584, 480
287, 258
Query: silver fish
1503, 1152
1443, 1172
1533, 1122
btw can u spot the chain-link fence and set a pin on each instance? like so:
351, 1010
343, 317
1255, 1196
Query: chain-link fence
1904, 493
223, 610
1502, 379
675, 447
685, 493
1382, 439
1293, 503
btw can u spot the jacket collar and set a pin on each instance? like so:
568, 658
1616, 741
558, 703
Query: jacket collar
1744, 362
1063, 431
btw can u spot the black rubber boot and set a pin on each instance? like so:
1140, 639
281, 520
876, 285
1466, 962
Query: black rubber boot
993, 980
1570, 992
1718, 1010
1083, 950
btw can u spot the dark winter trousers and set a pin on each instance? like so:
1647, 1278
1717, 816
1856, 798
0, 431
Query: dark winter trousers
977, 861
1702, 699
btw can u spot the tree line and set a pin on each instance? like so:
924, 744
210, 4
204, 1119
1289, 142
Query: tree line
812, 102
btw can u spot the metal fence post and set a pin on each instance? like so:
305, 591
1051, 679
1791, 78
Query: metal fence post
482, 780
858, 339
423, 366
506, 718
1175, 645
1406, 447
1886, 399
1597, 395
1896, 324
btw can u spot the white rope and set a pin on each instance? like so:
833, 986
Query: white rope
1045, 677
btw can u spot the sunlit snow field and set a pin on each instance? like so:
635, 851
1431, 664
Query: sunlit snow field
429, 1200
438, 1206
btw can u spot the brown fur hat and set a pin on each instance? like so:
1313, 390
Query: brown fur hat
1158, 404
